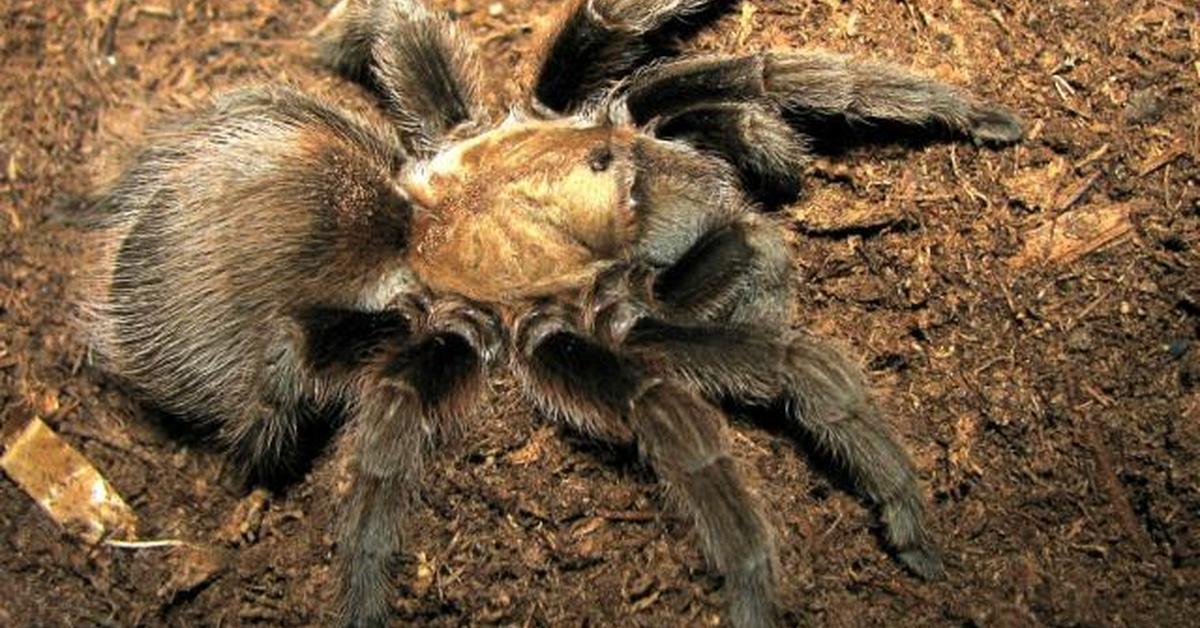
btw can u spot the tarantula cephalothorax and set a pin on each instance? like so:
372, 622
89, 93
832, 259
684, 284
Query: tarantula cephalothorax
282, 263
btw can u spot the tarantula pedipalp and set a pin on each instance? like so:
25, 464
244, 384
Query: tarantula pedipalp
281, 262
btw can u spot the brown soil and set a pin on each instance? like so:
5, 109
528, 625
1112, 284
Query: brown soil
1031, 317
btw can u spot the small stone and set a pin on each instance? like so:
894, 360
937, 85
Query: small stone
1143, 107
244, 522
1080, 341
425, 575
496, 9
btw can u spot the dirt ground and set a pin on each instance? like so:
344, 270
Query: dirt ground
1031, 317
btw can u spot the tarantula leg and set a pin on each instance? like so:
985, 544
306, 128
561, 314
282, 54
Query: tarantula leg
338, 341
411, 381
822, 392
736, 273
681, 435
818, 84
719, 259
421, 66
769, 154
597, 42
680, 196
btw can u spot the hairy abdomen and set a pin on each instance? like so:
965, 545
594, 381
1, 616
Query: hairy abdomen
228, 223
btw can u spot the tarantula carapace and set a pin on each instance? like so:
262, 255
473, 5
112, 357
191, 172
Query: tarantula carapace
282, 263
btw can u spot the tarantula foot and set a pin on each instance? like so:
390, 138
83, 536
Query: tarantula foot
925, 562
992, 124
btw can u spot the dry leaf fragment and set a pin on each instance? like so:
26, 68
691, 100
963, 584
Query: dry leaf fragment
65, 484
1074, 234
1154, 162
827, 213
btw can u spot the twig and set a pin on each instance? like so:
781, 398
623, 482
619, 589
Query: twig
164, 13
636, 516
139, 545
1092, 156
966, 185
108, 40
1173, 5
1077, 192
1108, 482
1177, 150
280, 41
1105, 478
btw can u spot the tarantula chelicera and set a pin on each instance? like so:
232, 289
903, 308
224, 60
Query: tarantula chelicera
283, 263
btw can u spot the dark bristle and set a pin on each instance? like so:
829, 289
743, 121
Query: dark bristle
720, 258
434, 366
584, 56
594, 373
418, 68
344, 339
673, 87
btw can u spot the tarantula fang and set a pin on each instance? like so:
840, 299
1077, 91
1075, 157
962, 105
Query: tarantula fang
279, 264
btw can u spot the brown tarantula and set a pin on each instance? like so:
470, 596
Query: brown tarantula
283, 264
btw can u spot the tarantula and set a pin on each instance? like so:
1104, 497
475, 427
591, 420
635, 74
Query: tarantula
283, 264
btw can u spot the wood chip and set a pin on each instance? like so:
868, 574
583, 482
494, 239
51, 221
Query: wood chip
587, 526
13, 169
532, 451
65, 484
425, 575
1175, 151
244, 522
1074, 234
966, 430
1036, 187
830, 213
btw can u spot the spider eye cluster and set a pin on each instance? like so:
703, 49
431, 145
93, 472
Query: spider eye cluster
600, 159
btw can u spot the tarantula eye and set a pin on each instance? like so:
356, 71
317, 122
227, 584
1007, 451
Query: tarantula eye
600, 158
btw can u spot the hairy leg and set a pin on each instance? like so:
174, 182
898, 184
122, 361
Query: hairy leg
740, 273
421, 66
598, 42
410, 379
821, 391
714, 257
720, 320
605, 393
768, 153
680, 195
817, 84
